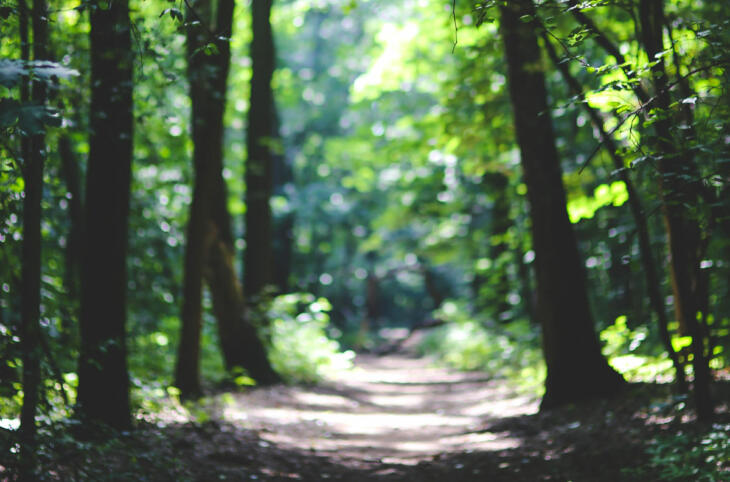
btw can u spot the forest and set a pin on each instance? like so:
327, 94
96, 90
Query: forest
387, 240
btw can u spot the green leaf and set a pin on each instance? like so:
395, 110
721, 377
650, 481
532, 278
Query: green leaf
679, 342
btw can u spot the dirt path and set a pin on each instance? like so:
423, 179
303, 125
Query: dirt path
393, 410
391, 419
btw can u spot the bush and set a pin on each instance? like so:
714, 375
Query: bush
467, 343
302, 346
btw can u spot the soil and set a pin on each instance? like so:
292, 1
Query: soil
392, 418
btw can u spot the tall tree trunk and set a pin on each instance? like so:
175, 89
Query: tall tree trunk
258, 259
33, 151
209, 250
103, 393
74, 251
576, 369
207, 139
648, 265
678, 184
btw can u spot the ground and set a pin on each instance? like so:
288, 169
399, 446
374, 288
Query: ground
393, 418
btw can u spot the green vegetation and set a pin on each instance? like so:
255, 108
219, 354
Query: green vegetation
701, 457
302, 349
203, 197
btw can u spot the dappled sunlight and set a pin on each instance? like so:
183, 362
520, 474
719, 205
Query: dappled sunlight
394, 409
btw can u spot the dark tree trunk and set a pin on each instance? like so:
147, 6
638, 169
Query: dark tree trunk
679, 187
209, 251
648, 265
33, 152
434, 292
74, 252
207, 132
240, 341
258, 258
576, 369
103, 393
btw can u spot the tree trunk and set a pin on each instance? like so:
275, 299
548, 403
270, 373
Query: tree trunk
209, 252
207, 133
576, 369
678, 178
103, 393
33, 152
258, 258
74, 253
240, 341
648, 265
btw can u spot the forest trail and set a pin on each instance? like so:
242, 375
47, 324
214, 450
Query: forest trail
400, 418
388, 411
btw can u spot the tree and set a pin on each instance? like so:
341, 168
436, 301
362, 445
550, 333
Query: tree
575, 367
258, 258
648, 264
103, 393
680, 186
33, 149
209, 249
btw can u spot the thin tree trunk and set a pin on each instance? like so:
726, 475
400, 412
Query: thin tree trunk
33, 151
103, 393
207, 138
683, 232
240, 341
258, 259
576, 369
74, 253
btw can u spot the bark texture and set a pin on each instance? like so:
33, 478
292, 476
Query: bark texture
576, 369
648, 264
258, 258
679, 184
103, 394
209, 249
33, 150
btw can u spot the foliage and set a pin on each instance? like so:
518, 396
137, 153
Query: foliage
302, 348
467, 343
699, 457
404, 160
623, 349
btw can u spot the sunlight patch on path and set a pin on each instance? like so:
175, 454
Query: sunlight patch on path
391, 409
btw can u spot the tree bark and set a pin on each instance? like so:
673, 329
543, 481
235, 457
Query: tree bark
103, 394
240, 341
678, 178
576, 370
74, 251
649, 267
33, 152
207, 133
258, 258
209, 251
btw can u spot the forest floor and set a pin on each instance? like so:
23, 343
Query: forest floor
392, 418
